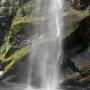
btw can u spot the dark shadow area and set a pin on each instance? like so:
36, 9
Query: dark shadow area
76, 61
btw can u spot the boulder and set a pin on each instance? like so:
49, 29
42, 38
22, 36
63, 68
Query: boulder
76, 59
15, 32
79, 37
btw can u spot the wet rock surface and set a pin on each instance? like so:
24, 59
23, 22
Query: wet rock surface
80, 37
79, 4
76, 61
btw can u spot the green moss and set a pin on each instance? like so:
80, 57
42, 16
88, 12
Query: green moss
85, 12
21, 19
25, 10
15, 57
71, 26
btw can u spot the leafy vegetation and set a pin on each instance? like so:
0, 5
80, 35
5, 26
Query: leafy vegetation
15, 44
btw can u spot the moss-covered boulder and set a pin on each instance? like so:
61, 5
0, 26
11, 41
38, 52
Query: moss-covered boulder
15, 26
80, 37
76, 61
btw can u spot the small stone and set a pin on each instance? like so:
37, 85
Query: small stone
1, 73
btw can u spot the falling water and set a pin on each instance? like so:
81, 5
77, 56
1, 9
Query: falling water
45, 58
42, 70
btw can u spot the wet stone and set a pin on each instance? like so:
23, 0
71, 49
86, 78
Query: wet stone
79, 4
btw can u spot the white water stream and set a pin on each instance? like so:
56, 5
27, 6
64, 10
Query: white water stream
45, 59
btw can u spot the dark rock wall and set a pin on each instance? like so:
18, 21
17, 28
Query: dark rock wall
76, 44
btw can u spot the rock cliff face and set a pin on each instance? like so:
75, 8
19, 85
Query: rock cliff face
76, 61
15, 17
79, 4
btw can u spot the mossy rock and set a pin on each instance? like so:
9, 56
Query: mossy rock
70, 24
15, 42
80, 37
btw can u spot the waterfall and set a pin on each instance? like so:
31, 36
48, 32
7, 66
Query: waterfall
41, 70
45, 58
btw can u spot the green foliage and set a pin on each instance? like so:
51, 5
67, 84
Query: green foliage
86, 12
15, 57
25, 10
21, 19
